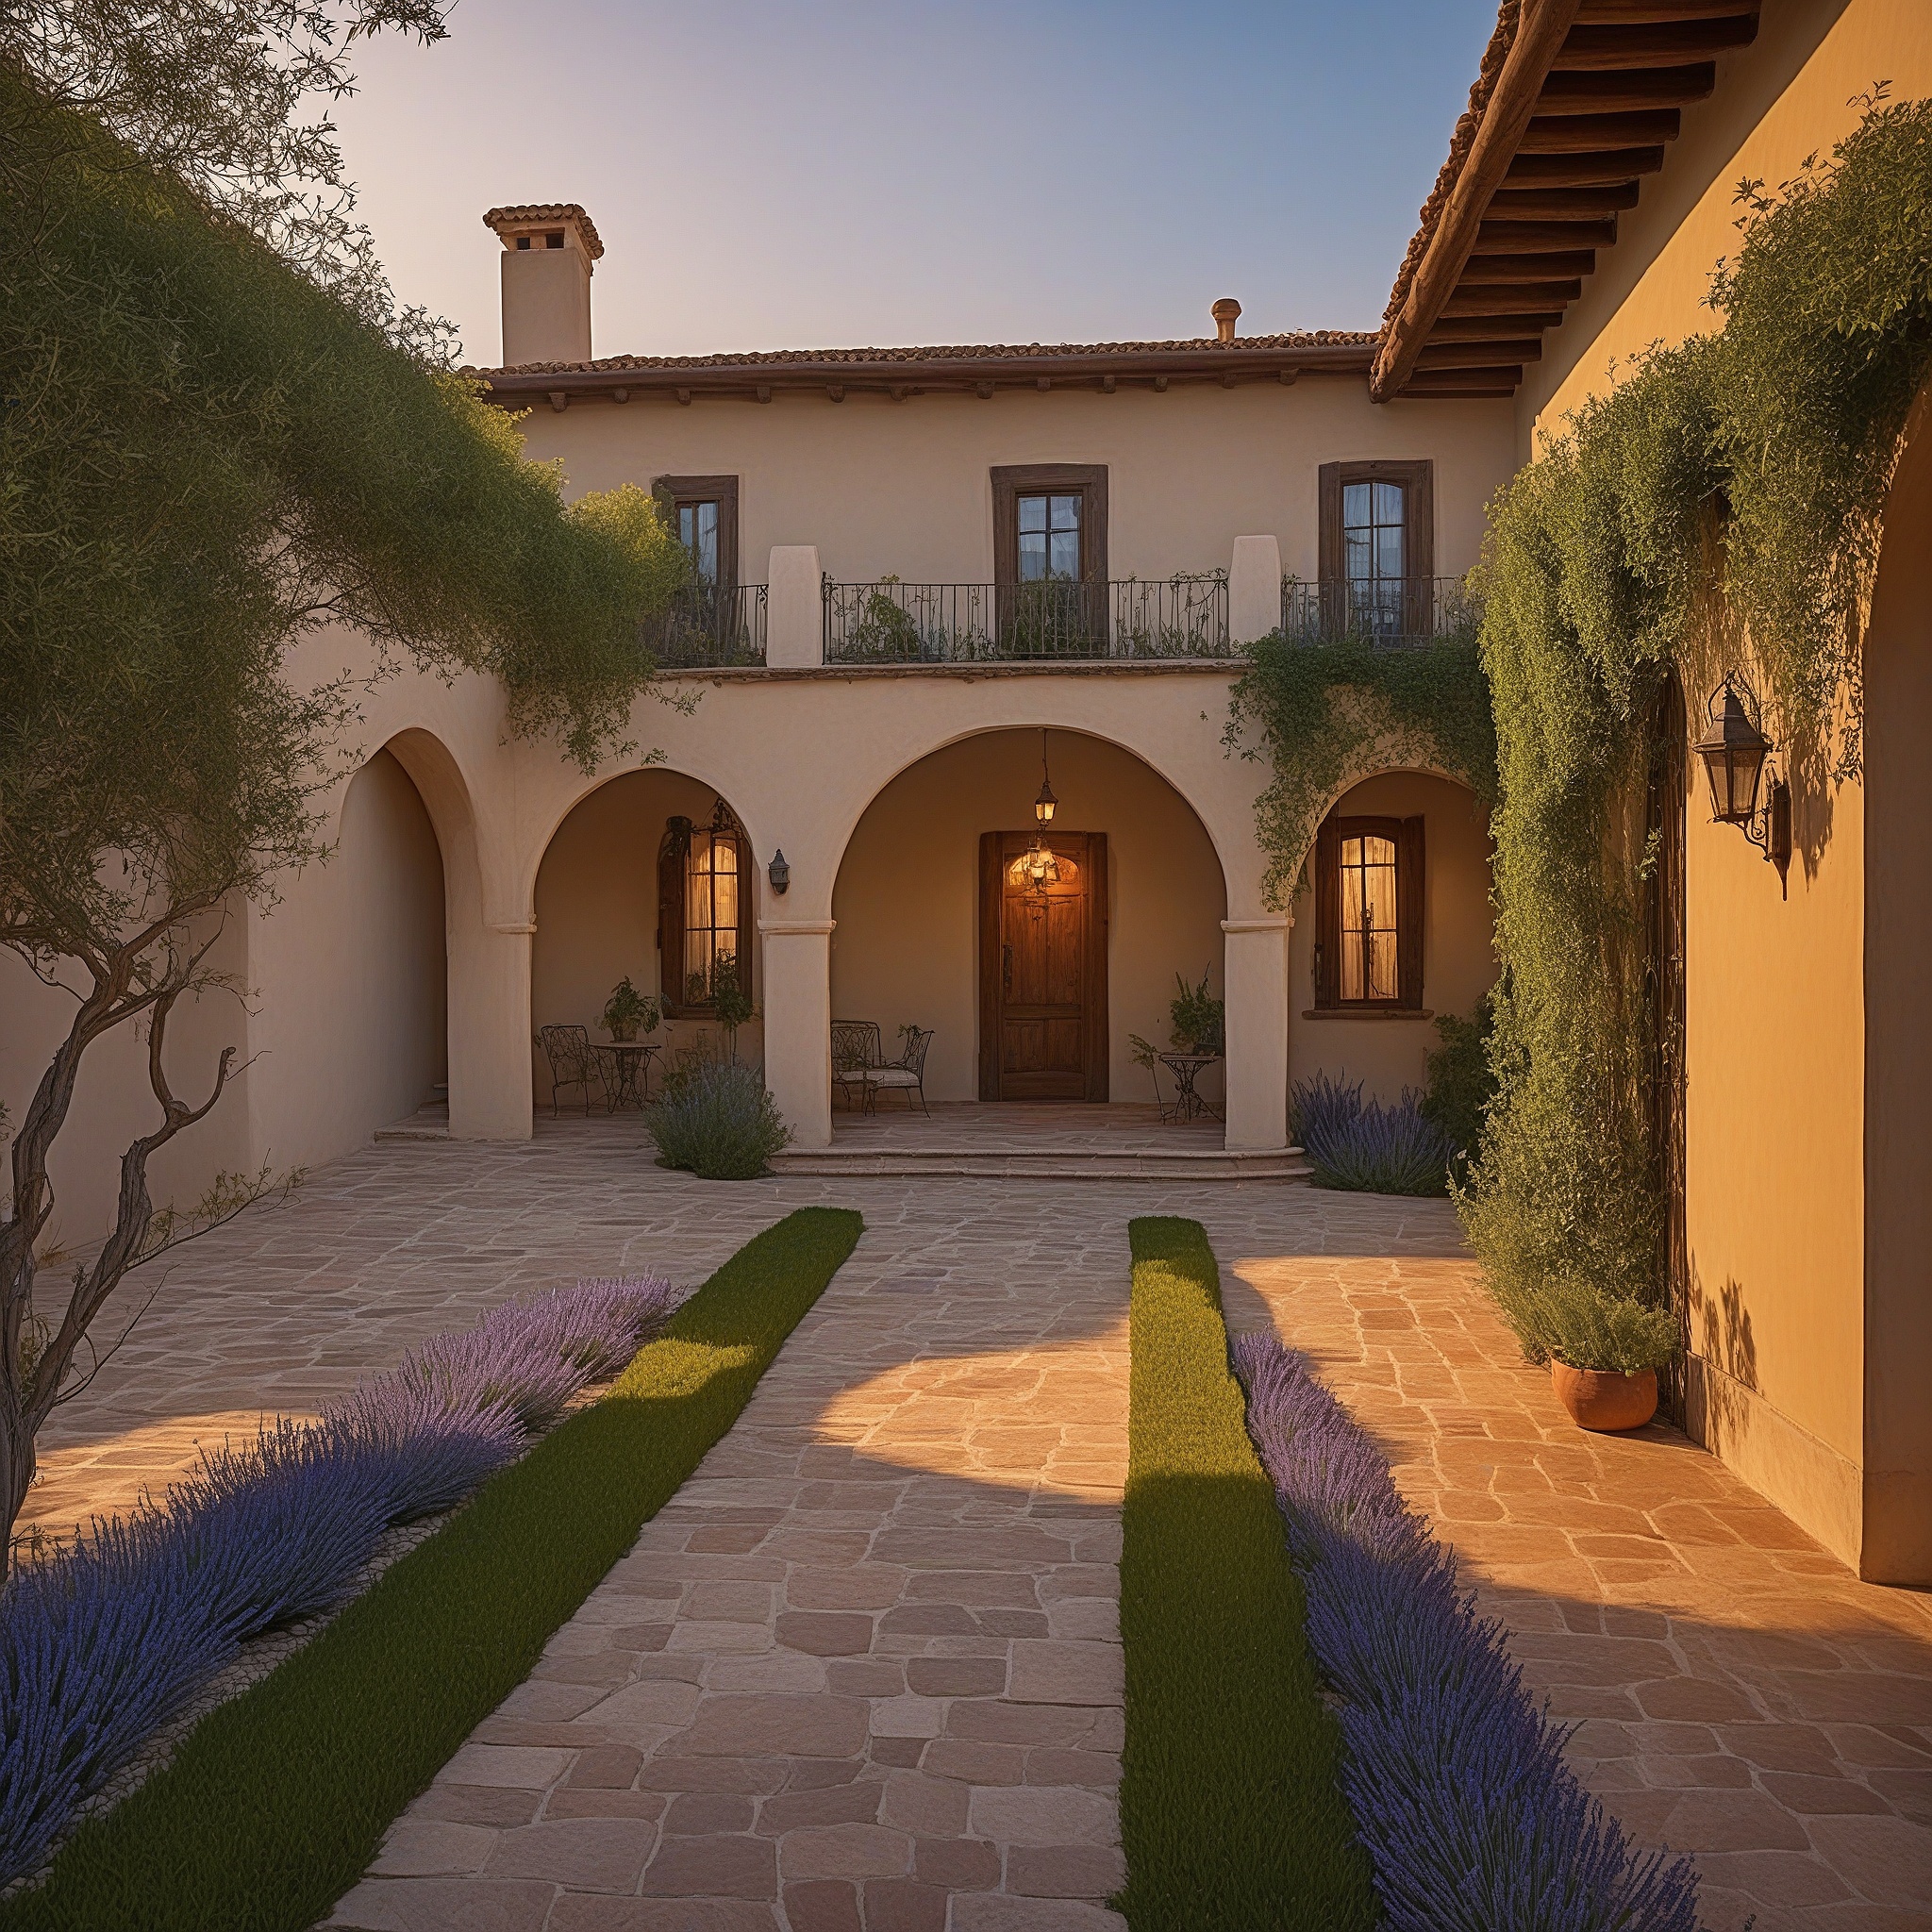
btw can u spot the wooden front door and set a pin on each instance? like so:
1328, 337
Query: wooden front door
1042, 969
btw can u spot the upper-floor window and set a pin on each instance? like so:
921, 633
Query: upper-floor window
1377, 545
704, 513
1370, 891
1049, 535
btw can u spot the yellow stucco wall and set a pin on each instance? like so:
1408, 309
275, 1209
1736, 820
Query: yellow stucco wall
905, 946
904, 487
1458, 953
1776, 1047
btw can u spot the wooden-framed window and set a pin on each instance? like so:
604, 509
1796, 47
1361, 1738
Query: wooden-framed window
704, 513
1377, 544
1049, 522
1371, 887
705, 894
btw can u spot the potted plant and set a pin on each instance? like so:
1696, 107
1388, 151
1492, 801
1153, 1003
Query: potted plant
627, 1011
1603, 1351
731, 1002
1199, 1021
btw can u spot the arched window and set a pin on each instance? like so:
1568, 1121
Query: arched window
703, 908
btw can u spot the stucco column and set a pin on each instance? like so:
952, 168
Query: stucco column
490, 1030
794, 607
1254, 590
798, 1024
1255, 975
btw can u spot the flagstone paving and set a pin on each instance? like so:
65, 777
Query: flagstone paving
863, 1672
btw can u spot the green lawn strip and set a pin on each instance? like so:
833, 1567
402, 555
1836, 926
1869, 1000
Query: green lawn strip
1229, 1808
278, 1802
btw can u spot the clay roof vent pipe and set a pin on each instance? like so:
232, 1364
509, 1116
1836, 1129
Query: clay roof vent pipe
1225, 312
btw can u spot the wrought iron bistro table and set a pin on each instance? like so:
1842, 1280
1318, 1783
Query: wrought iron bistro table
626, 1065
1188, 1105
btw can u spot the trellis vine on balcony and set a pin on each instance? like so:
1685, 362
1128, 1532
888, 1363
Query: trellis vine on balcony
1720, 506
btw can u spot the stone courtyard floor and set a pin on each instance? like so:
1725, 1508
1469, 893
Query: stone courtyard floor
864, 1672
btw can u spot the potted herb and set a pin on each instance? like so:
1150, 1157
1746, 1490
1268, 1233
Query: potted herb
627, 1011
1604, 1348
1199, 1021
731, 1002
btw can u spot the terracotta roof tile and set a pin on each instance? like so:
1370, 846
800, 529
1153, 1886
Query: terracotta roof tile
498, 218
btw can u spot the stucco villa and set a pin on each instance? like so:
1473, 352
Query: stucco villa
937, 585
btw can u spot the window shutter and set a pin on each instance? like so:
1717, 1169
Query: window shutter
1328, 914
747, 892
1328, 517
670, 855
1410, 899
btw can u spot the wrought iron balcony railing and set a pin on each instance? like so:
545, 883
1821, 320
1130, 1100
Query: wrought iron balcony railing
892, 623
1394, 614
709, 624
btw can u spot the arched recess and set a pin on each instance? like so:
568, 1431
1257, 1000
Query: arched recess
600, 916
1387, 1048
909, 905
352, 1032
1897, 1530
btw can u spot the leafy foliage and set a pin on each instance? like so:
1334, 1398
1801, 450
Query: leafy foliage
1229, 1808
627, 1011
1200, 1020
276, 1802
1328, 714
1460, 1082
717, 1119
1472, 1814
1720, 506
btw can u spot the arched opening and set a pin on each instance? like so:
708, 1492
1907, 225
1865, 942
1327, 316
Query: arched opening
1391, 927
649, 879
927, 877
357, 1034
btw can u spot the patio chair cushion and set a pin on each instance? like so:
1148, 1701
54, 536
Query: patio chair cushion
892, 1076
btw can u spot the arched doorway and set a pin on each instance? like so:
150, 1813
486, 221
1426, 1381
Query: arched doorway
648, 878
1030, 993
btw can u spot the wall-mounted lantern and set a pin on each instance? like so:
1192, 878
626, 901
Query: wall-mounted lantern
779, 873
1734, 756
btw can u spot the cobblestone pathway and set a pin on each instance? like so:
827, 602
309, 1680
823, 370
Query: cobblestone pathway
864, 1674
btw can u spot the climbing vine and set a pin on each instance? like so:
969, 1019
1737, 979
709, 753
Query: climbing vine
1719, 507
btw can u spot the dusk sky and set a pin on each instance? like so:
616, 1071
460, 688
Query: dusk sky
782, 175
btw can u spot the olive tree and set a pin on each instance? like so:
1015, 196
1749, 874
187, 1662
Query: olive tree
219, 433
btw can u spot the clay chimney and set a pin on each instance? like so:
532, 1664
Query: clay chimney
1225, 312
548, 254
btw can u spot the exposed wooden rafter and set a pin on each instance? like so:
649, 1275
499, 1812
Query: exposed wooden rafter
1588, 96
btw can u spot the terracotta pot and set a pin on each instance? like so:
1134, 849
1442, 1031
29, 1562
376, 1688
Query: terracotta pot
1603, 1399
625, 1036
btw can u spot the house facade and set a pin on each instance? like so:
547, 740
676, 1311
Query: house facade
933, 582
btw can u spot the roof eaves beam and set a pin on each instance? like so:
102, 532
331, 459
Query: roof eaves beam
1540, 32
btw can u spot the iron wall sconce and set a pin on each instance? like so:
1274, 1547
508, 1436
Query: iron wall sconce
1734, 756
779, 873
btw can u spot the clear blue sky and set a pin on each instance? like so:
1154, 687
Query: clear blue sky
845, 172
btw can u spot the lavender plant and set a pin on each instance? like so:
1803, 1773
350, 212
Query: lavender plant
104, 1641
1471, 1815
1369, 1147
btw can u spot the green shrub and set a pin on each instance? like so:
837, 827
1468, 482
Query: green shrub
717, 1119
1575, 1324
1231, 1813
276, 1803
1460, 1083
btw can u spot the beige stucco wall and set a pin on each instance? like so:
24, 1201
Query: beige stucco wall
343, 1028
904, 487
597, 912
1787, 95
1459, 952
905, 946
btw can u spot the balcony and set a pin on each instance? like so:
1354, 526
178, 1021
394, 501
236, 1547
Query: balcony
1055, 620
1402, 614
710, 624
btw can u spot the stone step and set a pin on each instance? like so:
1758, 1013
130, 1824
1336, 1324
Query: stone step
1043, 1163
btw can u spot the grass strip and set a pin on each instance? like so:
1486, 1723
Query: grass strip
1230, 1809
276, 1802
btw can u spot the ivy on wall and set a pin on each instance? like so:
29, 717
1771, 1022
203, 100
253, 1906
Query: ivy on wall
1719, 507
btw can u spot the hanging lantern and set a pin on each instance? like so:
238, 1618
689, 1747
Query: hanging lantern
1733, 758
1045, 805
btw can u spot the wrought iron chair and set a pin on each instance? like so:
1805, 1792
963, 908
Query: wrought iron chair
905, 1075
572, 1063
855, 1052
